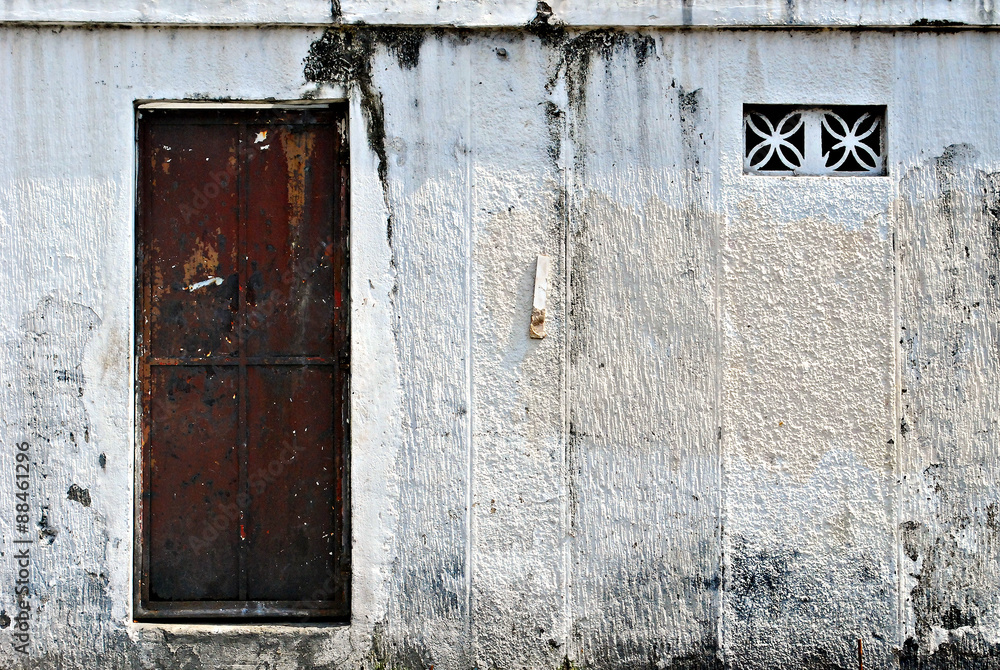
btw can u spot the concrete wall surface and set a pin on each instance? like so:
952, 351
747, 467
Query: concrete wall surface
763, 425
514, 13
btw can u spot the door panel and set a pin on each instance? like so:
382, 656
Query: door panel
191, 239
194, 476
290, 238
243, 377
293, 476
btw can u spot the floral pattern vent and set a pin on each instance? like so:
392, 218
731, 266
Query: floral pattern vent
836, 141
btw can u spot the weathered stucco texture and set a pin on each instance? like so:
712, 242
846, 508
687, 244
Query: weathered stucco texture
763, 423
513, 13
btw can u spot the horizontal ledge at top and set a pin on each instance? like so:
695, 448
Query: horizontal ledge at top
945, 26
305, 104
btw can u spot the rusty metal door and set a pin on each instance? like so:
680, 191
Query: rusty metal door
243, 363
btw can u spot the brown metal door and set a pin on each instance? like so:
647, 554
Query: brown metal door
242, 327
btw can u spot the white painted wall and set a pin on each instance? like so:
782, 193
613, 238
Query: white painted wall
513, 13
763, 423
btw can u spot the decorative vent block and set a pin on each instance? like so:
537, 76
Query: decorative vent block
836, 141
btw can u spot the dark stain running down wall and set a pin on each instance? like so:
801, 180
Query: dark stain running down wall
949, 337
431, 596
345, 56
642, 454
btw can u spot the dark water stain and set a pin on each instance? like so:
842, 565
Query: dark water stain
687, 12
968, 652
689, 112
791, 17
650, 657
627, 643
579, 51
991, 210
55, 335
387, 652
541, 26
574, 55
703, 654
950, 173
170, 650
578, 313
573, 474
345, 55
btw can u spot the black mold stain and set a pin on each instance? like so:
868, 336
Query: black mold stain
102, 460
578, 54
555, 119
966, 651
757, 583
345, 55
693, 141
541, 27
79, 495
769, 588
335, 12
955, 618
933, 606
4, 619
908, 531
937, 23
